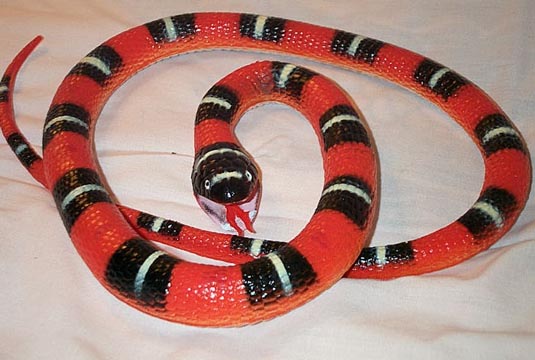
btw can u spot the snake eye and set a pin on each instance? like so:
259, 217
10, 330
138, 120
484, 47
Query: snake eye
207, 184
248, 175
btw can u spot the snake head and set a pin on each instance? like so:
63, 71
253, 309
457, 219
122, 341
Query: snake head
226, 186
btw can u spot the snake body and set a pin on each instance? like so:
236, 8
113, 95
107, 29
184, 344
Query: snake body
271, 278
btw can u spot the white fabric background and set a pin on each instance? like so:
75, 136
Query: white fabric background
52, 307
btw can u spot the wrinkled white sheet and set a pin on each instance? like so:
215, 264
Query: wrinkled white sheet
52, 308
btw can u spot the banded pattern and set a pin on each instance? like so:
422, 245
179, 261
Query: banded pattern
254, 247
355, 46
350, 196
171, 28
65, 117
99, 65
220, 103
341, 124
140, 271
22, 149
280, 273
441, 80
290, 79
4, 88
261, 27
141, 275
76, 191
490, 212
279, 270
385, 254
370, 257
495, 132
159, 225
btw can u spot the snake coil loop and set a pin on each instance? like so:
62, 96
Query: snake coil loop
270, 277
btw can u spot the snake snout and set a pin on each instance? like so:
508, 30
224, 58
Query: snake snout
231, 190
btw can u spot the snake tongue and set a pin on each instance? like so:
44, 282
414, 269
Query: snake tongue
239, 219
235, 216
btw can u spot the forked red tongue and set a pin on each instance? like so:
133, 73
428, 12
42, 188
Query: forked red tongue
234, 212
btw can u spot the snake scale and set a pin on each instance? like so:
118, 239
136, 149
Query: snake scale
269, 278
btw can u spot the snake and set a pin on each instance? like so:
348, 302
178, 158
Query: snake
267, 278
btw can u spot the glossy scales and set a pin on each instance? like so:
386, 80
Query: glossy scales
153, 281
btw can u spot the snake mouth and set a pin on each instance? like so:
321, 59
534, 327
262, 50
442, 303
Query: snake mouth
238, 217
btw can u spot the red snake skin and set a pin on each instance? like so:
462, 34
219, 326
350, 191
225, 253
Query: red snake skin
280, 277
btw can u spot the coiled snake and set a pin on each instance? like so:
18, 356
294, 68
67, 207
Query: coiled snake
271, 277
